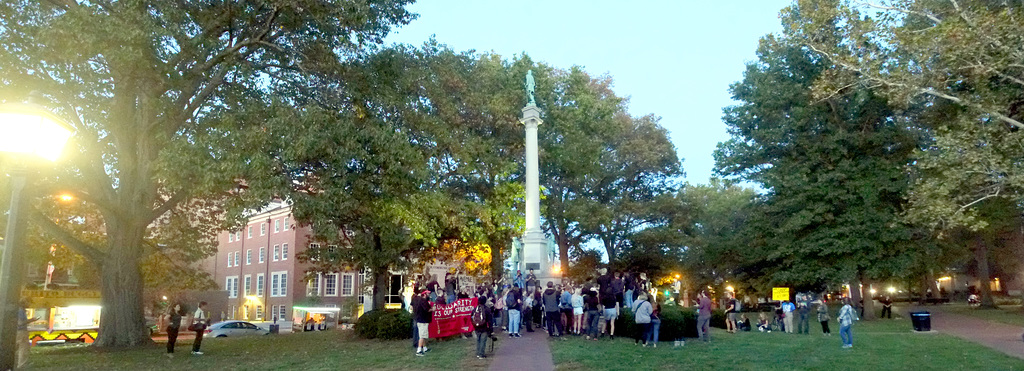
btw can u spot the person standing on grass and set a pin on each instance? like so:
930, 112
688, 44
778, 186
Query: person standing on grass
611, 311
422, 312
642, 311
804, 311
591, 304
483, 324
200, 321
630, 285
551, 312
846, 317
886, 307
823, 317
173, 320
704, 317
577, 311
619, 288
565, 306
655, 323
730, 313
787, 311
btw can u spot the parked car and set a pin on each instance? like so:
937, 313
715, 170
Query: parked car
234, 329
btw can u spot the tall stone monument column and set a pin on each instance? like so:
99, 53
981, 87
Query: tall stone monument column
535, 244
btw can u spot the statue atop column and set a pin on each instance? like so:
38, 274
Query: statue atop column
530, 87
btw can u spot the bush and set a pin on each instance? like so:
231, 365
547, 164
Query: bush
385, 325
676, 323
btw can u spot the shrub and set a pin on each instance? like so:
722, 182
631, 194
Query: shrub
676, 323
385, 325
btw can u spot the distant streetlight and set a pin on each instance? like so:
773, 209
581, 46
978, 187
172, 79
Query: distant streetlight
67, 197
27, 133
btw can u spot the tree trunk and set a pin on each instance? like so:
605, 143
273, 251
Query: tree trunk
855, 294
379, 275
869, 301
981, 257
497, 261
122, 321
563, 255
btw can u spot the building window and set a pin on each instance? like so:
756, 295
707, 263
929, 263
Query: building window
286, 227
259, 312
279, 284
245, 311
273, 310
277, 225
231, 237
313, 288
282, 312
230, 257
238, 235
332, 248
348, 284
247, 288
277, 252
231, 285
238, 258
259, 284
248, 257
263, 229
250, 231
231, 312
331, 284
284, 251
263, 254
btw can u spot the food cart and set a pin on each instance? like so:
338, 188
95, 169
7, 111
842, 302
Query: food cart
62, 315
314, 318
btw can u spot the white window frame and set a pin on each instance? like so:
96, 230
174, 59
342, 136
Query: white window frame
245, 311
263, 254
284, 251
263, 229
259, 312
238, 258
279, 284
248, 257
277, 252
230, 257
330, 279
231, 237
351, 288
231, 285
313, 288
283, 310
238, 235
277, 226
247, 288
261, 283
250, 231
273, 310
231, 314
286, 227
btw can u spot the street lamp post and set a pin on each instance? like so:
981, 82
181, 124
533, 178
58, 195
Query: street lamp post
29, 132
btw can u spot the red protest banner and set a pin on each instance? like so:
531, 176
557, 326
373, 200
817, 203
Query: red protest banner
452, 319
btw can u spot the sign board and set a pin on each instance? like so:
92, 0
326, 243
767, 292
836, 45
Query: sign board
61, 294
780, 293
452, 319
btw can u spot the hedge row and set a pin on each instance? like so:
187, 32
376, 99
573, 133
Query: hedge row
385, 325
676, 323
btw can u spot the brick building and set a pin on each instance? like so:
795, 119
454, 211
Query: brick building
263, 279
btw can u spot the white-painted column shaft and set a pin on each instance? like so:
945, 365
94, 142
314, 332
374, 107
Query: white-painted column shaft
532, 178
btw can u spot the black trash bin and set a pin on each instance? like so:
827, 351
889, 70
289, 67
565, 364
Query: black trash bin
922, 321
275, 328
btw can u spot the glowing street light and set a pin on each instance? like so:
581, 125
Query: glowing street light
27, 133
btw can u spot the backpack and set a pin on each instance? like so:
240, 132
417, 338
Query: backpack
479, 319
510, 300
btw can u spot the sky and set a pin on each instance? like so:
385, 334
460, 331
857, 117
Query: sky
675, 59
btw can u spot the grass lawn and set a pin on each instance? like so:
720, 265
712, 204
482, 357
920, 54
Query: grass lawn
1008, 314
332, 350
878, 345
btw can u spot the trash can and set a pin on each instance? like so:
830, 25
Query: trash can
275, 328
922, 321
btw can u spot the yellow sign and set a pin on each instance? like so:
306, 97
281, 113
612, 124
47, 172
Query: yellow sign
780, 293
61, 294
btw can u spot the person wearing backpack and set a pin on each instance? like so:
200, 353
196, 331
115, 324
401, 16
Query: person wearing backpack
642, 311
551, 312
482, 323
513, 302
528, 304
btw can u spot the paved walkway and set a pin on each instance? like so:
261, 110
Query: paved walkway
530, 352
999, 336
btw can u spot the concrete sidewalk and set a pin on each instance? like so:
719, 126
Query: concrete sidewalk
999, 336
530, 352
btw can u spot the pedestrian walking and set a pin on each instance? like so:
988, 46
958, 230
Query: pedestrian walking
846, 317
704, 317
200, 321
173, 320
642, 311
823, 317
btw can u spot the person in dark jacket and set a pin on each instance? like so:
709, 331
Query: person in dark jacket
551, 312
591, 305
421, 311
173, 325
487, 329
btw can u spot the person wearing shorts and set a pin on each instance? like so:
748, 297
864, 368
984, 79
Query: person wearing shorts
577, 311
611, 311
421, 312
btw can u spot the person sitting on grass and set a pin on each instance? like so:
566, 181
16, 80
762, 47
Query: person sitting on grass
762, 323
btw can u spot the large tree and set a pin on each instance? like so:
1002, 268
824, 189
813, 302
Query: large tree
140, 81
832, 169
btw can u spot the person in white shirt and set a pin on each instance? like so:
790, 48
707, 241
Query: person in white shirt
199, 323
